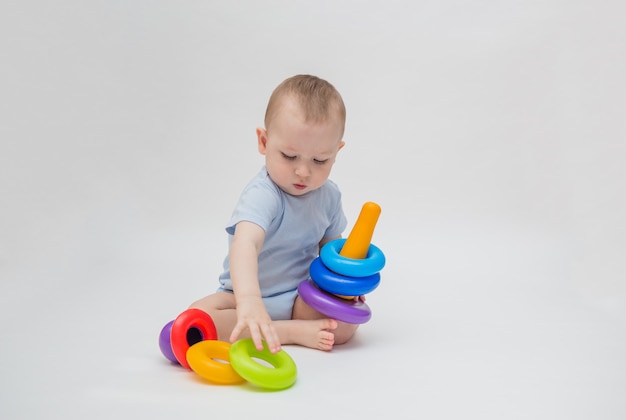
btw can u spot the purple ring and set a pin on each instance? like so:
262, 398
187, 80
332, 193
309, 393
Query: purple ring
165, 343
350, 311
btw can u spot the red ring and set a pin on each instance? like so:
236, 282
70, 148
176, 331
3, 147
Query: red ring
191, 318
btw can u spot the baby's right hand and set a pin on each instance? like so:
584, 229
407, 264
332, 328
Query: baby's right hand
251, 314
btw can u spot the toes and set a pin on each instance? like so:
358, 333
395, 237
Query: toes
325, 346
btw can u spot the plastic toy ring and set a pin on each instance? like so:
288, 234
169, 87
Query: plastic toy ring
165, 343
373, 263
352, 312
282, 375
341, 285
190, 327
204, 359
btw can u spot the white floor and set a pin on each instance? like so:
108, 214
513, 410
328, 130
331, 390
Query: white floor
491, 134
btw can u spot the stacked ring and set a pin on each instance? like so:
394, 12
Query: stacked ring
372, 264
282, 375
339, 284
204, 359
190, 327
352, 312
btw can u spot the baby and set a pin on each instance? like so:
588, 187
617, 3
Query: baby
285, 214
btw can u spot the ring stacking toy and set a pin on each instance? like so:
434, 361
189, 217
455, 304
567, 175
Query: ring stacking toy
281, 375
204, 359
346, 268
190, 327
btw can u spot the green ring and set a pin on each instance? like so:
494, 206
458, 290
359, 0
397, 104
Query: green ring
282, 375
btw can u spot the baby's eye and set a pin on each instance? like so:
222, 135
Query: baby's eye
320, 162
288, 157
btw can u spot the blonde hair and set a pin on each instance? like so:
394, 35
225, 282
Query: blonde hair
318, 99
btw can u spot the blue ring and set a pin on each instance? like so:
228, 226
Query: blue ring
341, 285
373, 263
349, 311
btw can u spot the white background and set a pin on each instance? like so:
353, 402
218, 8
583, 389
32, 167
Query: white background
492, 134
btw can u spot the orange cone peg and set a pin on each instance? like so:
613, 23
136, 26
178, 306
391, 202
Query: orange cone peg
358, 242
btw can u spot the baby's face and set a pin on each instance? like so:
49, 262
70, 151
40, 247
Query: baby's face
299, 155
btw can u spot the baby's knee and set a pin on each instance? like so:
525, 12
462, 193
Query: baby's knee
344, 332
215, 302
203, 304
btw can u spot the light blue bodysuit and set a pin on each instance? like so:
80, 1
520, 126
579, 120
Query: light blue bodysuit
294, 227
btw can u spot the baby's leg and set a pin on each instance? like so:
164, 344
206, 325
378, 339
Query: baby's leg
343, 331
312, 333
221, 307
308, 327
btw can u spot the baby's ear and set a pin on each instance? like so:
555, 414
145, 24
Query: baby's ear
261, 135
341, 144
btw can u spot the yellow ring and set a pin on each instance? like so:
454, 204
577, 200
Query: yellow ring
203, 358
281, 375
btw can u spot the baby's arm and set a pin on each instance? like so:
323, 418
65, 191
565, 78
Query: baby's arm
251, 313
324, 241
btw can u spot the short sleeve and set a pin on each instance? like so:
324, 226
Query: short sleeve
259, 203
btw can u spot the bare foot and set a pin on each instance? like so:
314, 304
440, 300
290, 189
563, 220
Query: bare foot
316, 333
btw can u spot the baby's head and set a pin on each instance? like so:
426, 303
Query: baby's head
317, 99
304, 127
